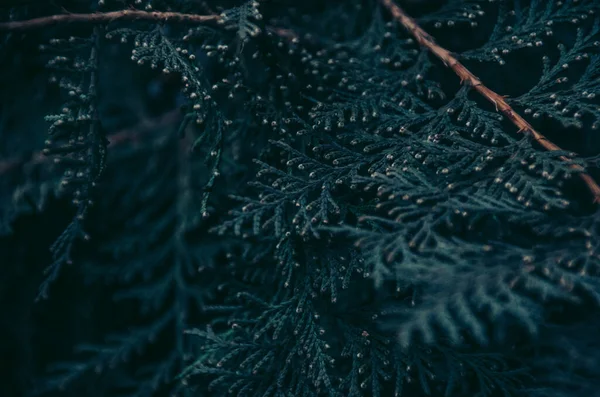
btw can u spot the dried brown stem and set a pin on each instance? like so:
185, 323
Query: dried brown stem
425, 40
283, 33
103, 17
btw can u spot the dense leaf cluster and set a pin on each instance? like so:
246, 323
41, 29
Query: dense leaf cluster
327, 211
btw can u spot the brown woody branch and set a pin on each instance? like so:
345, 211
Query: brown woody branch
127, 15
425, 40
283, 33
103, 17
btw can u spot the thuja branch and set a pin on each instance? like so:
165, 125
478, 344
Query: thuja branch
427, 41
127, 135
103, 17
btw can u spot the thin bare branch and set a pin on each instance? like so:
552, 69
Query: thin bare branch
427, 41
103, 17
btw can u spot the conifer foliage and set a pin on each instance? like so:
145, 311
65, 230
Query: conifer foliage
337, 198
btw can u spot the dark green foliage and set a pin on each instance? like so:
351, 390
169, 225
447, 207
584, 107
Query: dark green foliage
76, 138
322, 211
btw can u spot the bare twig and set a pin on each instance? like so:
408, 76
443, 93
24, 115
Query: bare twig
100, 17
118, 138
144, 126
283, 33
425, 40
103, 17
